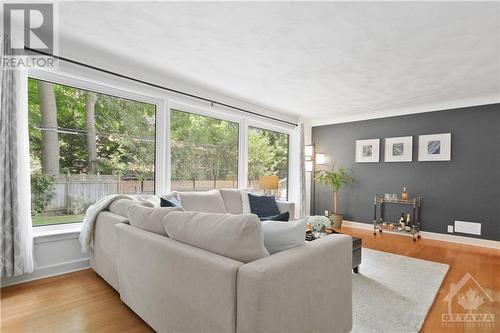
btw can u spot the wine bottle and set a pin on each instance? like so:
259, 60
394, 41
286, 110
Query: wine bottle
404, 195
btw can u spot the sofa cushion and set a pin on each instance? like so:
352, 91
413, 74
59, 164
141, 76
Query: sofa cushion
283, 217
280, 236
207, 201
263, 205
149, 219
120, 206
232, 200
237, 237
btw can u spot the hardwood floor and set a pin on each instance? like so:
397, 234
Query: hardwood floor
482, 263
74, 302
83, 302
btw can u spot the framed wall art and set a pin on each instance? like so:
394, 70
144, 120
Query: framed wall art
399, 149
368, 151
434, 147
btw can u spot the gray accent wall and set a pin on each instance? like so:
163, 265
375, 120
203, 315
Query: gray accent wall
467, 188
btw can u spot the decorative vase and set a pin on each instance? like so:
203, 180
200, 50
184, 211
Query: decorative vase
336, 220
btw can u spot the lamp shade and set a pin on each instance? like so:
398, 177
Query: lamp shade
269, 182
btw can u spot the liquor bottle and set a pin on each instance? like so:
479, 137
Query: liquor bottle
402, 221
408, 223
404, 195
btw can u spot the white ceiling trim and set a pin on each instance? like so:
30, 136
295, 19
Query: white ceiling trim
347, 118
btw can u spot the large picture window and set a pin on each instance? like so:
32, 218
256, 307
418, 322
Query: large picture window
268, 162
84, 146
204, 152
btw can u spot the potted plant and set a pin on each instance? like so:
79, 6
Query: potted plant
336, 179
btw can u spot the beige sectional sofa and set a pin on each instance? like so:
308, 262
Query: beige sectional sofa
177, 287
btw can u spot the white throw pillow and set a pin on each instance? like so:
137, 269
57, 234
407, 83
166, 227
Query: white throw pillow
149, 219
280, 236
232, 200
233, 236
170, 195
207, 201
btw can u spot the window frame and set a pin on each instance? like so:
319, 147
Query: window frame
287, 155
244, 122
88, 85
197, 112
165, 101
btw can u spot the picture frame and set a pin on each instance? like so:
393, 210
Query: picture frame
399, 149
368, 151
434, 147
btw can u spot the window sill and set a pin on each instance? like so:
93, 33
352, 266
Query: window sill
57, 229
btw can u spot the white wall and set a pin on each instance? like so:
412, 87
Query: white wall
53, 255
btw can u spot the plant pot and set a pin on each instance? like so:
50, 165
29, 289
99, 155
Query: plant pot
336, 220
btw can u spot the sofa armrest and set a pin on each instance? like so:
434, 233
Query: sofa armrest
304, 289
103, 258
286, 206
176, 287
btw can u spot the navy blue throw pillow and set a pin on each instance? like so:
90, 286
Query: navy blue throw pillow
172, 202
280, 217
263, 205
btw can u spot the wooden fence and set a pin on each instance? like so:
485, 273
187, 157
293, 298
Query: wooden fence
81, 189
87, 189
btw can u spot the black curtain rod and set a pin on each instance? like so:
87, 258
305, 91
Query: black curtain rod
155, 85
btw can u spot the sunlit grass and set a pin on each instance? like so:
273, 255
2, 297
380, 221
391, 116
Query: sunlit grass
56, 219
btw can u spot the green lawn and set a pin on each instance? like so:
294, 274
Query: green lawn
56, 219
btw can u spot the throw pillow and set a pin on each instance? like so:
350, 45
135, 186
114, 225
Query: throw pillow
263, 205
170, 195
172, 202
280, 236
232, 200
149, 219
120, 206
234, 236
280, 217
207, 201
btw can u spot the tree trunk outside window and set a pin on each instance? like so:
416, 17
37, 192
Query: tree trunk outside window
50, 137
91, 132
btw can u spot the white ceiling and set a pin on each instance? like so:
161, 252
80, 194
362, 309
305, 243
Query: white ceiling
327, 61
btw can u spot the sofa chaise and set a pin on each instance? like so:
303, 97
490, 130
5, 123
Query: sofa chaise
177, 287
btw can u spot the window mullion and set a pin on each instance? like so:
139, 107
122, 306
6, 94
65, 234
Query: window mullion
243, 155
162, 170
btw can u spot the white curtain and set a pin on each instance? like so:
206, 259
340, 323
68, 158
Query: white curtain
16, 242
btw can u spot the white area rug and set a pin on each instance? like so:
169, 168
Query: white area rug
393, 293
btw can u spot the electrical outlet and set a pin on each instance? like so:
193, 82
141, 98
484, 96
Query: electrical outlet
450, 228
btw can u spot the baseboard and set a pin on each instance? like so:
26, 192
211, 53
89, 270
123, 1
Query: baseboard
43, 272
435, 236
